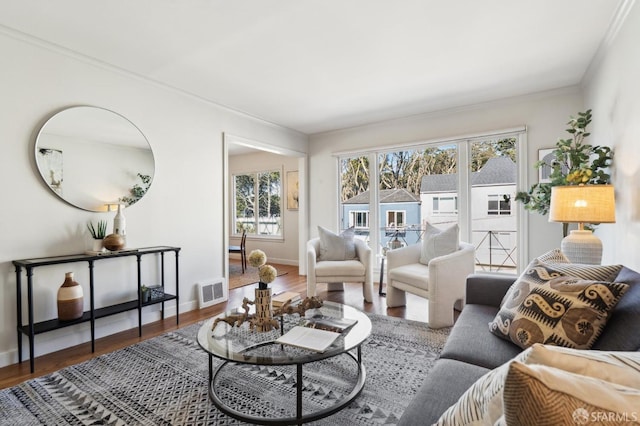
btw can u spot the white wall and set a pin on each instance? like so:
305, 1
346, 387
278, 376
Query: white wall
184, 206
544, 114
283, 251
612, 89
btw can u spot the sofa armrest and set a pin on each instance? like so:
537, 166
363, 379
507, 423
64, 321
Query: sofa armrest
488, 289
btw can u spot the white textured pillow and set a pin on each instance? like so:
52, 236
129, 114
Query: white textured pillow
618, 367
437, 242
482, 403
536, 394
337, 247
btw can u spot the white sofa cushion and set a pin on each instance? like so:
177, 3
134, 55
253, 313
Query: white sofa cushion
333, 268
415, 274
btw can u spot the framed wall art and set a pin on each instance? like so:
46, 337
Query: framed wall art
544, 172
292, 190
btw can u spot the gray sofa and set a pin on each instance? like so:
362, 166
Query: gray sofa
471, 350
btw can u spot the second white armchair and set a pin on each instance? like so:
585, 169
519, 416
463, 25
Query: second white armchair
442, 281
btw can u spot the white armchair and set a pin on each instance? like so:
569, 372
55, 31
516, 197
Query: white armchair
443, 281
340, 271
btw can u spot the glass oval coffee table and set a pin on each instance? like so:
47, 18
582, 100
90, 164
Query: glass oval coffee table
243, 349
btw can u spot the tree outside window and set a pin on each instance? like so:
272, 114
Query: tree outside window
259, 193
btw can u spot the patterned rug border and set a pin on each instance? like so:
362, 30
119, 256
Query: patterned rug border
163, 380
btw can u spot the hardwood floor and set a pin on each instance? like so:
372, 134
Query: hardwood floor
416, 309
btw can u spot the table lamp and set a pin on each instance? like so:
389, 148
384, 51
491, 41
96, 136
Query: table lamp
582, 204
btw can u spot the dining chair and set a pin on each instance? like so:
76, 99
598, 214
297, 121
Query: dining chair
241, 249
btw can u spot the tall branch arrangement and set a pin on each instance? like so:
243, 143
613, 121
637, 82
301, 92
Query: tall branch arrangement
575, 163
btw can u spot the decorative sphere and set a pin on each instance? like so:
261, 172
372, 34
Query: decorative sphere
113, 242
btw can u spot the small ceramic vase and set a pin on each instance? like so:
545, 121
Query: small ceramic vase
113, 242
97, 245
70, 299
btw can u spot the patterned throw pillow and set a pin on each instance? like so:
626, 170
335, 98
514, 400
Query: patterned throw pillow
482, 403
547, 305
552, 256
538, 394
336, 247
437, 242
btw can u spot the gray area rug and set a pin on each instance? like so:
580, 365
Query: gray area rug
163, 381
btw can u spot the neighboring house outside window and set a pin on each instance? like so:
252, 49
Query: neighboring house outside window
359, 219
445, 205
396, 218
499, 204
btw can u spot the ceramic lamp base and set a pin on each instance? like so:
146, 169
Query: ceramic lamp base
581, 246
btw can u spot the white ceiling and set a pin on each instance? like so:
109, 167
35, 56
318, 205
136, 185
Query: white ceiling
319, 65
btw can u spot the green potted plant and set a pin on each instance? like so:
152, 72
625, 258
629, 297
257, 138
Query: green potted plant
98, 232
146, 293
575, 163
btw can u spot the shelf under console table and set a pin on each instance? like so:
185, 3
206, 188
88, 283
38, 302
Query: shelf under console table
32, 328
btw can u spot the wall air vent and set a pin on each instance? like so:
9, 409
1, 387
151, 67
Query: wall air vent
212, 292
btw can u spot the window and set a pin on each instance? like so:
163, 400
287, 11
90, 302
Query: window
359, 219
445, 205
258, 203
395, 218
499, 204
470, 181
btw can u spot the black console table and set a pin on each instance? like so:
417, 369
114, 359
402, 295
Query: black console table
32, 328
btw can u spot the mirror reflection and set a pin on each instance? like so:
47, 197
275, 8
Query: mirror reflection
91, 157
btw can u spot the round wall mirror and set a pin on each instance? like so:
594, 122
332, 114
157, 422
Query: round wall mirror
92, 157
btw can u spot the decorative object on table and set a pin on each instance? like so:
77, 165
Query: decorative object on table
113, 242
574, 163
283, 298
156, 292
237, 319
263, 320
98, 233
70, 299
120, 223
146, 293
582, 204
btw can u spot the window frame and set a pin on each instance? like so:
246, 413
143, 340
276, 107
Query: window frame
499, 211
395, 216
256, 194
352, 221
439, 198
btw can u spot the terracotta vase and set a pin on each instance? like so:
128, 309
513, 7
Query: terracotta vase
264, 311
70, 299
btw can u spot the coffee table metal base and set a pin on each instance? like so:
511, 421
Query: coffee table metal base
300, 418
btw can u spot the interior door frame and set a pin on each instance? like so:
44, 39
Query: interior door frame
303, 215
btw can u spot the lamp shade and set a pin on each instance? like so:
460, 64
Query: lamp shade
582, 204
